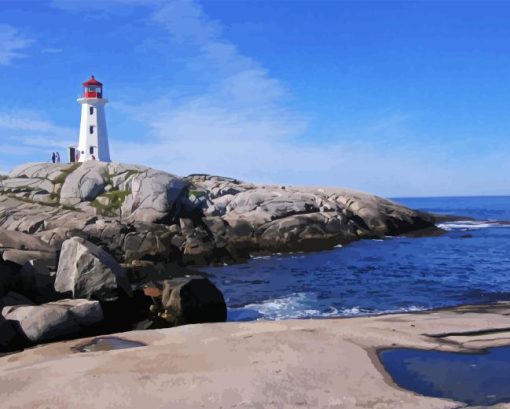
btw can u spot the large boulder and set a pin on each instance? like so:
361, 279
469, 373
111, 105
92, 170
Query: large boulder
192, 300
305, 232
42, 323
275, 203
22, 241
85, 183
39, 323
155, 196
87, 271
84, 312
46, 258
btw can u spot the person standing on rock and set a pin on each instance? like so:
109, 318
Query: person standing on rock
57, 156
53, 157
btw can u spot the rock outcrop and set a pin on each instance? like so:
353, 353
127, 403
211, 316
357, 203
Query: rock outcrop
103, 232
139, 213
102, 299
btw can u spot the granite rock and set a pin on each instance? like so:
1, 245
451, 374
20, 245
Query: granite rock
87, 271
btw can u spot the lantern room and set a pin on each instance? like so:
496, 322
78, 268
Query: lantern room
92, 88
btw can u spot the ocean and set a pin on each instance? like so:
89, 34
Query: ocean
470, 264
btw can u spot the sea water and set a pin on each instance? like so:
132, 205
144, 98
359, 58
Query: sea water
475, 379
469, 264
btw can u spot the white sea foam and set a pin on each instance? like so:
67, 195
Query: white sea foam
292, 254
303, 305
260, 257
297, 305
470, 225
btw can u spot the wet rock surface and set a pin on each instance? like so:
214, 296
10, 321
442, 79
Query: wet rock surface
107, 344
481, 379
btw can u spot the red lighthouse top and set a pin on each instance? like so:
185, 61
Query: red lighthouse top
92, 88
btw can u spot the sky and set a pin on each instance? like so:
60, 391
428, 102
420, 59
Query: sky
400, 98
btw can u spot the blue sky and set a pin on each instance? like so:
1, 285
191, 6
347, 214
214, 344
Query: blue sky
396, 98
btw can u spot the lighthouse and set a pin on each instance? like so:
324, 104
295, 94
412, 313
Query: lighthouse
93, 142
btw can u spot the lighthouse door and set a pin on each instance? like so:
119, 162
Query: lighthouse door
72, 154
93, 152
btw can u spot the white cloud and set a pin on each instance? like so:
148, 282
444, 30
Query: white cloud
11, 43
30, 121
240, 104
240, 125
185, 21
28, 133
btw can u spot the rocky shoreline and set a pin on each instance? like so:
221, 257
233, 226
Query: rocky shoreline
328, 363
102, 247
139, 213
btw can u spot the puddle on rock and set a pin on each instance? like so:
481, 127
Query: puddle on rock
108, 344
476, 379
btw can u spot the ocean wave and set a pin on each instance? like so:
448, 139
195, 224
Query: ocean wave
297, 305
292, 254
470, 225
303, 305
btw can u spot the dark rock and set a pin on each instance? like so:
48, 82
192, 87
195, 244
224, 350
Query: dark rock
9, 276
8, 335
192, 300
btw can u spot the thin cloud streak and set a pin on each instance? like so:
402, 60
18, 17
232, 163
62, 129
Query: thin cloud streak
11, 44
240, 125
31, 121
29, 134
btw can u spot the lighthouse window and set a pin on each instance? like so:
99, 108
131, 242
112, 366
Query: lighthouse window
91, 109
91, 150
91, 129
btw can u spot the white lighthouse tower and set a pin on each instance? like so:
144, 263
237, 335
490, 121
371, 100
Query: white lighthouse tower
93, 144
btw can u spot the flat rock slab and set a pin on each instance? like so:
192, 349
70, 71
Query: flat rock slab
284, 364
